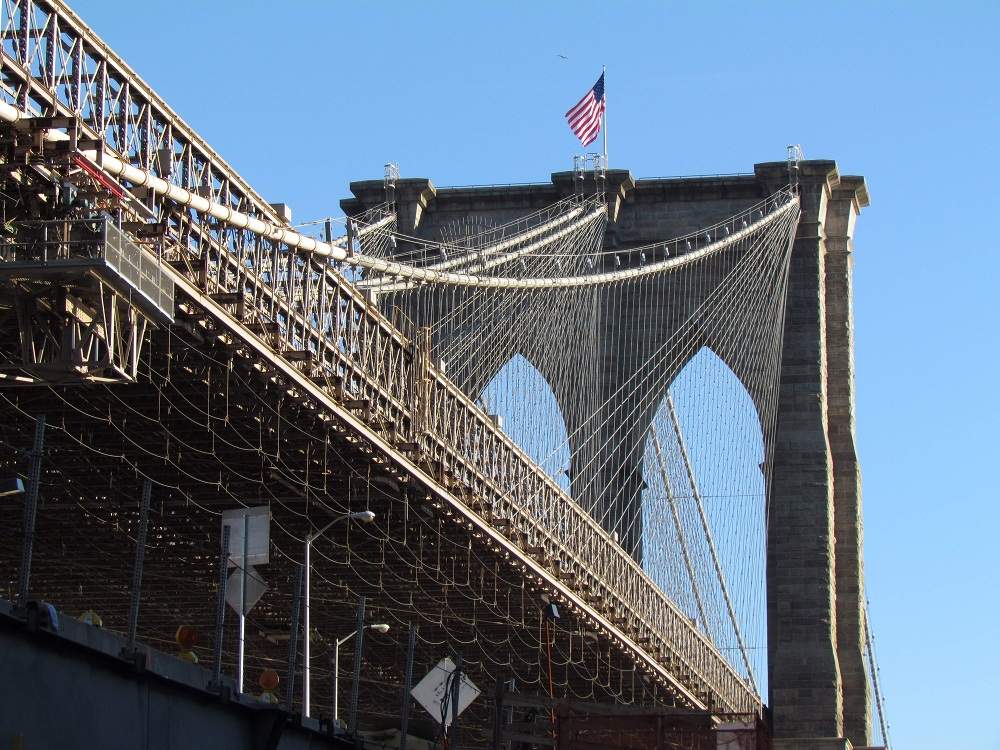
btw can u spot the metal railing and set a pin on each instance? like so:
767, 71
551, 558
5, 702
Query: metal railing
93, 244
138, 268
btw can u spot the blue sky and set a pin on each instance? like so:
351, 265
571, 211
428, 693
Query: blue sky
303, 98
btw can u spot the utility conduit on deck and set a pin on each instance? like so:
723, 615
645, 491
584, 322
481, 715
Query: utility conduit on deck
294, 239
115, 166
336, 251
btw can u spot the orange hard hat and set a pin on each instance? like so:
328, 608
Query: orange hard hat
268, 679
186, 637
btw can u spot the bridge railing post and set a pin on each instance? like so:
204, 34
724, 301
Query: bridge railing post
31, 511
404, 713
293, 639
359, 640
140, 554
220, 609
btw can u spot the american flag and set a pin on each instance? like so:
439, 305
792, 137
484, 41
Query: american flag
585, 118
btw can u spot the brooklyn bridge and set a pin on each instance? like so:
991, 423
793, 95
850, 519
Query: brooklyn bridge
582, 451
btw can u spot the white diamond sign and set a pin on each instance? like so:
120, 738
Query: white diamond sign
256, 587
430, 692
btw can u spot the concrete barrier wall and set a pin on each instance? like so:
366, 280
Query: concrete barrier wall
71, 688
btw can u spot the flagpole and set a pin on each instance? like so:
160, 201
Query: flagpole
604, 74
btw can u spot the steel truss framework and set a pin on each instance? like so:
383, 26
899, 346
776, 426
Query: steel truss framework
331, 348
81, 297
63, 338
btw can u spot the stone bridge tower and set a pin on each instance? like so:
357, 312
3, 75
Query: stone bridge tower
819, 695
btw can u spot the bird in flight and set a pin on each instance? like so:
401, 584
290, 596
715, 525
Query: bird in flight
562, 56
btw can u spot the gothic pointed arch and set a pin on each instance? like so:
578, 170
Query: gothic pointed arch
526, 408
703, 506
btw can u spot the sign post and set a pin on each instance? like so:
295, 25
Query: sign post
250, 533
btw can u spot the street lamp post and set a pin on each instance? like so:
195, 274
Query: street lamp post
378, 628
363, 516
